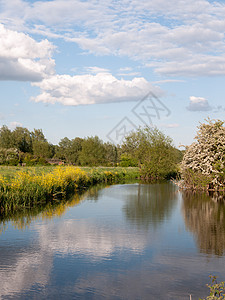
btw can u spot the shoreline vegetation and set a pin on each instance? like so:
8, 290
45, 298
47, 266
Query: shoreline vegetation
27, 188
27, 180
147, 154
203, 164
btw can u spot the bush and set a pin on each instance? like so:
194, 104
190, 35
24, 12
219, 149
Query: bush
127, 161
217, 290
153, 151
203, 164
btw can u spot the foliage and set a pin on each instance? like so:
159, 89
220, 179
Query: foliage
6, 138
111, 154
147, 148
42, 149
22, 139
9, 156
205, 158
93, 152
29, 187
126, 160
38, 135
217, 290
69, 150
153, 151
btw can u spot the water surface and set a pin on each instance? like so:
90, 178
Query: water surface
132, 241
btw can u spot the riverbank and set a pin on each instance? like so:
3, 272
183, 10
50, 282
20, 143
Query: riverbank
27, 187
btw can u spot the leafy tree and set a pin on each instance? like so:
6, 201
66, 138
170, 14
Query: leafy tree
63, 149
42, 149
153, 151
6, 137
40, 145
93, 152
203, 165
38, 135
22, 139
69, 150
75, 150
111, 154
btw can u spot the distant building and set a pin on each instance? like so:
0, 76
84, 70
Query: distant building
53, 161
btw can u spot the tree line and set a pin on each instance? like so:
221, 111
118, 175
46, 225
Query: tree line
147, 148
31, 147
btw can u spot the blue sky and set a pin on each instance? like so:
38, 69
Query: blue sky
81, 68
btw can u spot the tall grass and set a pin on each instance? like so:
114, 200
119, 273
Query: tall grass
29, 187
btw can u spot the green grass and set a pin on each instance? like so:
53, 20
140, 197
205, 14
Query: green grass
10, 171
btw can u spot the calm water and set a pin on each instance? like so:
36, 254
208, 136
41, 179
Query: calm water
132, 241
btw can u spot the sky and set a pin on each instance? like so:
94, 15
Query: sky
81, 68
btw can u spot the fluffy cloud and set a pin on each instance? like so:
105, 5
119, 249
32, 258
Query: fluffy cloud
91, 89
22, 58
179, 38
198, 104
15, 124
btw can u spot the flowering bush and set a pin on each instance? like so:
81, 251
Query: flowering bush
203, 164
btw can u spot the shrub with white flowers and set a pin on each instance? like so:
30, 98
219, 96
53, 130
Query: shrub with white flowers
203, 165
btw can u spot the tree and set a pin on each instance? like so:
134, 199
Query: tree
93, 152
111, 154
69, 150
38, 135
63, 148
153, 151
42, 149
6, 137
75, 150
203, 164
22, 139
40, 145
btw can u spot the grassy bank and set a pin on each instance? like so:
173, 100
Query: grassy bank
27, 187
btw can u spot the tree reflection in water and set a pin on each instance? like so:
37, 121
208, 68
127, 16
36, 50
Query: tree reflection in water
204, 216
151, 204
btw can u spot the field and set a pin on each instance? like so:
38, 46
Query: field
28, 186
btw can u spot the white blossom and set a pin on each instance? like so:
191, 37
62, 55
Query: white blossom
206, 156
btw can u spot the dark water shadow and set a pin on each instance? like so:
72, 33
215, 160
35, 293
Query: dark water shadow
204, 216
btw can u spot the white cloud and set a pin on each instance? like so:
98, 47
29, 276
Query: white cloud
22, 58
91, 89
178, 38
87, 238
126, 69
96, 70
15, 124
187, 39
198, 104
126, 73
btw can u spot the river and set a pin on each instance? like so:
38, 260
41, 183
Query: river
130, 241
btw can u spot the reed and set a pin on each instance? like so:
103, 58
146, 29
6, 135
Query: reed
29, 187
